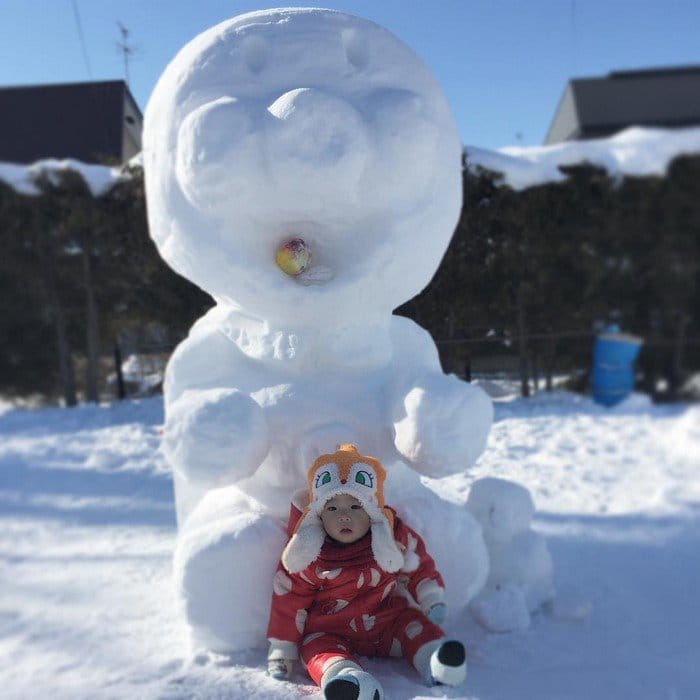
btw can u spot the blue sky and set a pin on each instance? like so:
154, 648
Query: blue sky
503, 64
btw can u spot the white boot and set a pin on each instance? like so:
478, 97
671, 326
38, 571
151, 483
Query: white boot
441, 662
345, 680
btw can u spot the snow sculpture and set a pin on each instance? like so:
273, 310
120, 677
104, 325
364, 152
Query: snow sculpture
520, 576
269, 129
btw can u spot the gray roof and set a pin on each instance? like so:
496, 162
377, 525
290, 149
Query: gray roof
598, 107
84, 121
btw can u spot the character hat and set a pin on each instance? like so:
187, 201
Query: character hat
344, 471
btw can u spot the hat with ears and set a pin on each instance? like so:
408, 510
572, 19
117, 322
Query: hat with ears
344, 471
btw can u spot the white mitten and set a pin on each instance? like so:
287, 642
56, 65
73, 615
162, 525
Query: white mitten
437, 613
431, 598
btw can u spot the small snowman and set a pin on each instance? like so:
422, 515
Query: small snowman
520, 576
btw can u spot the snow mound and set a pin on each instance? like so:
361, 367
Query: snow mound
637, 151
634, 403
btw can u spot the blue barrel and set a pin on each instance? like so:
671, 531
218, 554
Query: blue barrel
612, 378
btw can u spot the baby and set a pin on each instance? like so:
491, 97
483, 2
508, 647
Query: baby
355, 580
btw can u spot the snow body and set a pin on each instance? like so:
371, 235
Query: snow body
318, 125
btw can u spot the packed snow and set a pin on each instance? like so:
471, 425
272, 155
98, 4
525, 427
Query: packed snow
88, 606
278, 153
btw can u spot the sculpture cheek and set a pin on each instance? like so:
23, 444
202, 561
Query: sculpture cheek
210, 140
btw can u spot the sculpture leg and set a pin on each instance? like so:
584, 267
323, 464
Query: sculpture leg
224, 565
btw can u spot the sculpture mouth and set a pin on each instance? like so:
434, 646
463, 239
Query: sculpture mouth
295, 259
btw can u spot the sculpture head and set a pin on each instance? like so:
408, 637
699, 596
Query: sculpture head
302, 124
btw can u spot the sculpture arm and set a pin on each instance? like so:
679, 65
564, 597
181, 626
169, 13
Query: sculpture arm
440, 422
215, 436
215, 433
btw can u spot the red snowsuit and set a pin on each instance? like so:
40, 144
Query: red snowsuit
343, 603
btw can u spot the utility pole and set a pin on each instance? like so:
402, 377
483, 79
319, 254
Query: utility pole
125, 48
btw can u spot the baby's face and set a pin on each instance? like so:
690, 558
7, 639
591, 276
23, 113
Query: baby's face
344, 519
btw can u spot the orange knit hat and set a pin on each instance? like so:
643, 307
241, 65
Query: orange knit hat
344, 471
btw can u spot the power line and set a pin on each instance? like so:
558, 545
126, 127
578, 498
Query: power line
79, 27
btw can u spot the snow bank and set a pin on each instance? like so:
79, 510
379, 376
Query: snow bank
635, 151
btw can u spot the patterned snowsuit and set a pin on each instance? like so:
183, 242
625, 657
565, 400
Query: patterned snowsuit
343, 604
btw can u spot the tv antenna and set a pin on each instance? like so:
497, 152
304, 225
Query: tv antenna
126, 49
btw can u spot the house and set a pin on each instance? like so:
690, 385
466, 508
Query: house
599, 107
94, 122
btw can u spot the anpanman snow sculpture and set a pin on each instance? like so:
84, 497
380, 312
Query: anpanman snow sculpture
317, 126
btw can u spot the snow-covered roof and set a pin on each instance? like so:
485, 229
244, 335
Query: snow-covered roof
635, 151
99, 178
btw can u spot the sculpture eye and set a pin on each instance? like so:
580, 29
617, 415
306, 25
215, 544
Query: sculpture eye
364, 478
323, 478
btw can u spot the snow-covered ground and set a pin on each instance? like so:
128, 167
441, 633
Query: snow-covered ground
87, 529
